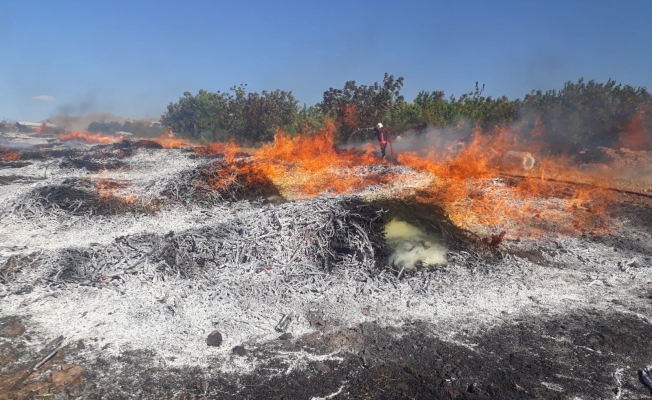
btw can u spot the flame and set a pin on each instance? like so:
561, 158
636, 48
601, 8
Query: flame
169, 141
229, 149
636, 135
42, 129
472, 188
480, 189
308, 165
87, 137
350, 116
107, 190
6, 155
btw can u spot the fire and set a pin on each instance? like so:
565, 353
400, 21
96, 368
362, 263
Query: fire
6, 155
300, 166
350, 116
87, 137
229, 149
636, 135
308, 165
169, 141
473, 186
480, 188
42, 129
108, 191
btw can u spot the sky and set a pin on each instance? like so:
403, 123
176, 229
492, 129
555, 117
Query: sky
134, 57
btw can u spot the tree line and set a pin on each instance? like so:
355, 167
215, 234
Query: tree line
581, 114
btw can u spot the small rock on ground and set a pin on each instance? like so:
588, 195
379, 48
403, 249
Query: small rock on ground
239, 351
321, 367
214, 339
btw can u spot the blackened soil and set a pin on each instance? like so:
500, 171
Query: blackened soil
147, 144
5, 180
583, 355
81, 197
636, 230
224, 180
577, 355
432, 219
14, 164
43, 154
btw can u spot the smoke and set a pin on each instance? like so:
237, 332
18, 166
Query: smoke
66, 113
412, 247
433, 139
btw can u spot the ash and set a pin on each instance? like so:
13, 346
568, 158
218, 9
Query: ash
162, 272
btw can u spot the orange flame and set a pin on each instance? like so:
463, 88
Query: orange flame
229, 149
636, 135
169, 141
42, 129
106, 190
470, 181
88, 137
7, 155
471, 187
350, 116
310, 165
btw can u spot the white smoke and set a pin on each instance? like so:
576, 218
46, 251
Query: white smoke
412, 247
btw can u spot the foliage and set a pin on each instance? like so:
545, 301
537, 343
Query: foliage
248, 117
433, 109
581, 114
587, 113
355, 107
310, 120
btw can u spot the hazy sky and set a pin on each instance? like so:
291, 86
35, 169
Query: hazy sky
134, 57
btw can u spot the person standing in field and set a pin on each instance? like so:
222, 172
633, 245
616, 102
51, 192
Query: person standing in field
384, 137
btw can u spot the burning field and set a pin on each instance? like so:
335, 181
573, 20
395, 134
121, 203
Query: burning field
474, 269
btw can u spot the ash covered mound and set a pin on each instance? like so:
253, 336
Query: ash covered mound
222, 179
329, 233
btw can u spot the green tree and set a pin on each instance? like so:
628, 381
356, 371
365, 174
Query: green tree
310, 119
435, 110
201, 116
587, 114
355, 107
249, 117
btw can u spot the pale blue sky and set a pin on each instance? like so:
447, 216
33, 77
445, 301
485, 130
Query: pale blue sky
133, 57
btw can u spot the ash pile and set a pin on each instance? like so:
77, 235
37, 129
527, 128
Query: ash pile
328, 233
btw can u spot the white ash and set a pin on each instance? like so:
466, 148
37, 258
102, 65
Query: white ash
172, 317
